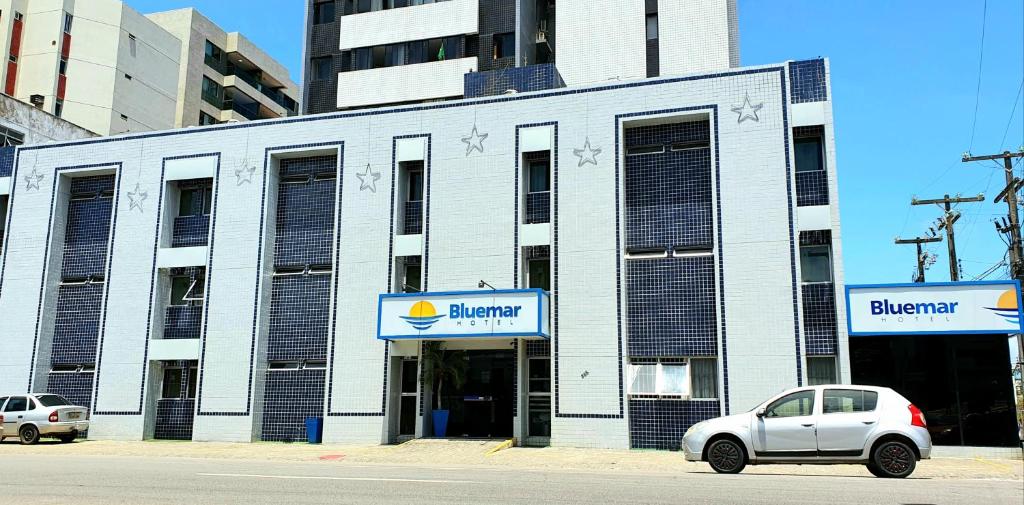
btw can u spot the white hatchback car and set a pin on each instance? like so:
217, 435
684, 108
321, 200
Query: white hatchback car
835, 424
35, 416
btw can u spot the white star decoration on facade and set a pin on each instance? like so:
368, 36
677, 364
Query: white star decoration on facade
136, 197
747, 110
475, 140
587, 154
244, 174
33, 179
368, 179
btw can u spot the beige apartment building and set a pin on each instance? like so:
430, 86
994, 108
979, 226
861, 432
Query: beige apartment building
109, 69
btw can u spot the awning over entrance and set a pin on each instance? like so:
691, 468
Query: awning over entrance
519, 313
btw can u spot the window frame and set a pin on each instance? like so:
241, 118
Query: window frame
320, 12
164, 384
828, 260
864, 394
660, 381
821, 153
784, 399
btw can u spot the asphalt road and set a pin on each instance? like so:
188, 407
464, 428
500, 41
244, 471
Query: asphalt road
82, 480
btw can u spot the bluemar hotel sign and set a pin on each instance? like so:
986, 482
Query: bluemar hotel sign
934, 308
521, 313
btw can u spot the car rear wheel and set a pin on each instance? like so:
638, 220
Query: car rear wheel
28, 435
726, 456
67, 439
893, 459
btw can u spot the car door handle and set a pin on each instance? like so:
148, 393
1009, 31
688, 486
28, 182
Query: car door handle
868, 422
808, 425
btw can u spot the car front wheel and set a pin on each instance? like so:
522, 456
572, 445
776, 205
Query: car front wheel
726, 456
893, 460
28, 435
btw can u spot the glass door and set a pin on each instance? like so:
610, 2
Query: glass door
539, 398
407, 404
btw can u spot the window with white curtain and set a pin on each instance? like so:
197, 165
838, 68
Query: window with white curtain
663, 379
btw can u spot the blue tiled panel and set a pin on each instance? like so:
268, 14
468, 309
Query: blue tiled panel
92, 185
538, 348
299, 317
76, 387
86, 237
413, 224
670, 307
7, 161
290, 397
77, 324
305, 221
809, 83
820, 326
538, 207
660, 424
668, 195
174, 419
183, 321
191, 231
309, 166
811, 188
521, 79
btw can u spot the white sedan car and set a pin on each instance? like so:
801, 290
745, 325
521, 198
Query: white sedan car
31, 417
836, 424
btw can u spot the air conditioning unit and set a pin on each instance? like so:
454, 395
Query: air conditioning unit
542, 37
37, 100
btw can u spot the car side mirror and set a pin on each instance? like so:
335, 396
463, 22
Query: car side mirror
760, 412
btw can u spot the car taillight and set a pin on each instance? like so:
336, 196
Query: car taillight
53, 416
917, 417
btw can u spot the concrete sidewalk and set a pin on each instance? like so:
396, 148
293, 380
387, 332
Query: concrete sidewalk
474, 453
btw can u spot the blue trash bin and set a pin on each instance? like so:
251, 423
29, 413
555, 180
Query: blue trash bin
314, 429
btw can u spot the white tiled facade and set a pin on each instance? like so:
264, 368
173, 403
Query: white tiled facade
472, 231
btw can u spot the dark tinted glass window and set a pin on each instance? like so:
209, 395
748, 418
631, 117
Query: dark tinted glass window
323, 12
539, 179
16, 404
362, 59
843, 401
540, 274
409, 376
378, 54
417, 52
434, 52
809, 154
52, 400
363, 6
451, 48
800, 403
394, 55
504, 45
415, 186
172, 383
321, 68
193, 379
652, 26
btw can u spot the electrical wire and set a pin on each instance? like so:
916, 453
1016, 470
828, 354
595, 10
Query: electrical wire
981, 61
1013, 111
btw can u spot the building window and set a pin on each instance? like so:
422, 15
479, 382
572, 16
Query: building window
187, 290
394, 55
206, 119
213, 93
193, 379
323, 12
661, 379
539, 275
504, 45
172, 383
196, 201
321, 68
11, 138
821, 370
58, 107
704, 378
68, 21
652, 26
417, 52
540, 179
214, 56
62, 67
412, 280
815, 263
361, 59
809, 154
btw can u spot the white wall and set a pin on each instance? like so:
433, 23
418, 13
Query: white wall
695, 37
600, 40
441, 19
439, 79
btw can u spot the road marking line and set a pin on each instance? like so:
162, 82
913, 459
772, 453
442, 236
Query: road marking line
314, 477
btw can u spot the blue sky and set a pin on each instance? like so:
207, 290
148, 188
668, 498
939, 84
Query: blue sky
904, 81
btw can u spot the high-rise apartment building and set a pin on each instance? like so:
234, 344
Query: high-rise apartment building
109, 69
374, 52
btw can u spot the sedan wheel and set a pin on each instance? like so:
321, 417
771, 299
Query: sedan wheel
726, 456
29, 435
894, 460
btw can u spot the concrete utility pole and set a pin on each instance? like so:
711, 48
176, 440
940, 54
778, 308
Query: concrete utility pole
946, 223
921, 256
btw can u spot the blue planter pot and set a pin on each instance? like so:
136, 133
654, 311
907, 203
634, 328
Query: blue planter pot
440, 422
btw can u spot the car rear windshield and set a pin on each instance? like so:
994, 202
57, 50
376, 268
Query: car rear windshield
52, 400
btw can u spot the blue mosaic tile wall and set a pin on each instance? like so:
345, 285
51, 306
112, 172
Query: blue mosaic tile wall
76, 387
538, 348
290, 397
183, 321
522, 79
88, 229
660, 424
174, 419
811, 188
77, 326
413, 213
300, 304
668, 193
821, 331
299, 317
7, 161
809, 82
191, 231
670, 307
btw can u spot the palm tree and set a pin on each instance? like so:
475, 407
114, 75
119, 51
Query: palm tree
442, 366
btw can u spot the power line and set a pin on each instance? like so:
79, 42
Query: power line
981, 61
1013, 111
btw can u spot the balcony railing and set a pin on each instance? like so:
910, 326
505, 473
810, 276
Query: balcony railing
413, 224
183, 321
191, 231
538, 207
